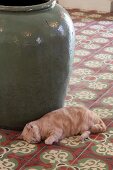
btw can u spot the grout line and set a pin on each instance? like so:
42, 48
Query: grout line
95, 23
94, 53
31, 158
88, 145
101, 96
82, 152
78, 31
110, 123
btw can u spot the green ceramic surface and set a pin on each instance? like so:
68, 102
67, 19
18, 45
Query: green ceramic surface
36, 51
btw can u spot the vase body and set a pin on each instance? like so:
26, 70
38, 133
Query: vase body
36, 52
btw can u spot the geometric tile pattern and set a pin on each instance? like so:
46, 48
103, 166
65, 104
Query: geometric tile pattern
91, 84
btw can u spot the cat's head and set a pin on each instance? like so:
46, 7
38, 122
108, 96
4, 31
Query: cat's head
31, 133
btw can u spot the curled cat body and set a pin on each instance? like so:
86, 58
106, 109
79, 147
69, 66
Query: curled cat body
62, 123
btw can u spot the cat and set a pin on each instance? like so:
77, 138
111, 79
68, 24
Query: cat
64, 122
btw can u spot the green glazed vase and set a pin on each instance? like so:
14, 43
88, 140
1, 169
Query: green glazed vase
37, 41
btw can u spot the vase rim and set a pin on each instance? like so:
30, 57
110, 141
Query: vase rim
29, 8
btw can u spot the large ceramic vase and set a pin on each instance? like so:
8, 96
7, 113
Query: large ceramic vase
37, 43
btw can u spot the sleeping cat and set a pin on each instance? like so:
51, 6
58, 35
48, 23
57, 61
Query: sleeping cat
61, 123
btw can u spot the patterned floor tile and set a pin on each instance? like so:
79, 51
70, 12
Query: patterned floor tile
91, 84
99, 154
53, 156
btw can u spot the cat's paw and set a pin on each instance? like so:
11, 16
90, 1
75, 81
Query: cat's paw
48, 142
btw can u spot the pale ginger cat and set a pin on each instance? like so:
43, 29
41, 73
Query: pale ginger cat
61, 123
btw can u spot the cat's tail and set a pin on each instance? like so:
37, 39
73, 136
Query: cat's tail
100, 127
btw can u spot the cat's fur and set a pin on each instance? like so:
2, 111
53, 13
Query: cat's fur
61, 123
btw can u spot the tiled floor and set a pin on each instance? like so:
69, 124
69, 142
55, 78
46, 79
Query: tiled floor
91, 84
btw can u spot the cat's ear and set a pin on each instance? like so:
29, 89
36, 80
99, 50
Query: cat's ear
29, 126
36, 131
